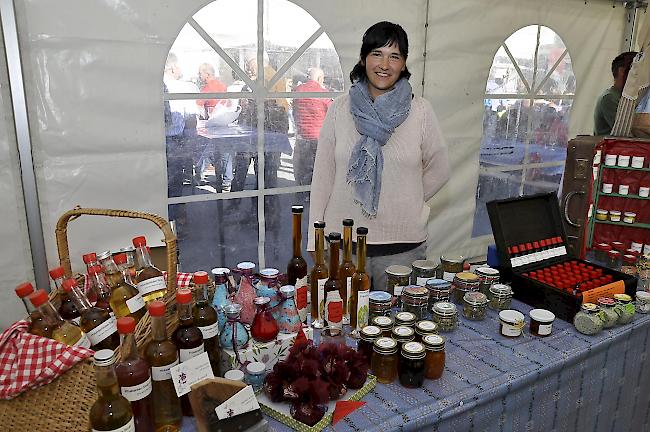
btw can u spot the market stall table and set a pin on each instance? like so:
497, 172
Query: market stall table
563, 382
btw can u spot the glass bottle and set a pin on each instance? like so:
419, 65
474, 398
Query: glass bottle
133, 377
90, 259
346, 271
113, 274
97, 323
333, 288
111, 411
288, 317
222, 294
100, 286
297, 267
129, 251
205, 318
264, 328
234, 333
62, 330
187, 337
246, 292
358, 306
37, 324
268, 286
125, 297
67, 309
149, 278
161, 355
318, 277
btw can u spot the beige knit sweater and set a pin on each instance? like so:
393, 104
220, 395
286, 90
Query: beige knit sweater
415, 168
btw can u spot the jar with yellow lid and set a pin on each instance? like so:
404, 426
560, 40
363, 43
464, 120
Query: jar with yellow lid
384, 360
464, 282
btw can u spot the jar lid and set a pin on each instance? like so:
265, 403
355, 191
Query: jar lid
606, 301
511, 316
589, 307
466, 277
402, 333
426, 327
405, 317
475, 298
622, 298
444, 308
434, 342
233, 309
629, 259
258, 301
415, 291
287, 291
234, 375
103, 255
542, 316
613, 254
398, 270
601, 211
255, 368
487, 271
382, 322
105, 357
604, 247
127, 249
423, 265
370, 333
220, 271
452, 259
379, 297
269, 272
615, 212
246, 265
629, 214
644, 296
385, 345
500, 290
413, 350
438, 284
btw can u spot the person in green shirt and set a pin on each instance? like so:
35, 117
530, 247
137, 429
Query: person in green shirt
607, 103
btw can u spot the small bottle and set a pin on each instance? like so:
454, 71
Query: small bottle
288, 317
264, 328
360, 287
97, 323
111, 411
62, 330
125, 297
113, 274
133, 377
333, 316
318, 277
246, 292
187, 337
90, 259
161, 355
297, 267
268, 286
100, 286
222, 294
234, 333
346, 271
205, 318
149, 278
37, 324
67, 309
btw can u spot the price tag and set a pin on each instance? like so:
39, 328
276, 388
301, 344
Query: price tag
191, 372
241, 402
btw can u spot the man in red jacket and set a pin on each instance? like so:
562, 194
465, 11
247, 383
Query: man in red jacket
309, 115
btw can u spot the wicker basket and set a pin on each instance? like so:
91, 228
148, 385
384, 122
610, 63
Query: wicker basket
64, 404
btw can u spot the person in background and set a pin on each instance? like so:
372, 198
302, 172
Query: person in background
209, 84
607, 103
380, 157
309, 114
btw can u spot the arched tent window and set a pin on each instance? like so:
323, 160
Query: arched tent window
528, 101
232, 181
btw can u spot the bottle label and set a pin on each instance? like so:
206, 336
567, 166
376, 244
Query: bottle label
186, 354
210, 331
162, 373
334, 310
102, 331
129, 427
448, 276
321, 298
302, 302
135, 303
150, 285
397, 290
422, 281
362, 308
349, 293
137, 392
544, 329
84, 342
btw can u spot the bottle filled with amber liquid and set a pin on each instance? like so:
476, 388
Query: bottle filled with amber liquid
100, 286
359, 303
125, 297
187, 337
347, 269
133, 377
333, 315
297, 267
67, 309
62, 331
98, 324
111, 411
149, 278
205, 318
161, 355
318, 277
37, 323
113, 275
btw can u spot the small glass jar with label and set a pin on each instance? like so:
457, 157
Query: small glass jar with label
475, 305
405, 319
625, 308
384, 360
589, 319
464, 282
384, 323
255, 375
415, 299
446, 316
642, 303
487, 277
499, 297
511, 323
439, 290
403, 334
379, 303
423, 270
541, 322
398, 277
369, 334
411, 365
450, 265
434, 362
424, 328
609, 315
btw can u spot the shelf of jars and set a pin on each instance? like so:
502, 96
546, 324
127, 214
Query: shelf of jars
630, 196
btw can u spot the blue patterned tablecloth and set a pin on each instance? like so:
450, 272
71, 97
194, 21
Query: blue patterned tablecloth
564, 382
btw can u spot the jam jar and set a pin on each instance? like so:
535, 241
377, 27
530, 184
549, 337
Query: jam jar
445, 315
589, 319
379, 303
642, 302
255, 375
511, 323
405, 319
439, 290
434, 362
424, 328
450, 265
464, 282
625, 308
397, 278
384, 360
422, 270
403, 334
500, 297
475, 305
487, 276
384, 323
415, 299
541, 322
610, 314
369, 334
411, 365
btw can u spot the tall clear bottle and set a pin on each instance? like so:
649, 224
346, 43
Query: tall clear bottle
149, 278
100, 286
318, 277
297, 267
98, 324
67, 309
37, 323
359, 307
111, 411
333, 315
347, 269
125, 297
62, 330
205, 318
161, 355
187, 337
90, 259
133, 376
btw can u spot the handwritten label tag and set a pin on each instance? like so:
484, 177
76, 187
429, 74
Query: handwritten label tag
190, 372
242, 402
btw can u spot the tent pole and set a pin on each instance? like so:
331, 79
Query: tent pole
631, 22
424, 52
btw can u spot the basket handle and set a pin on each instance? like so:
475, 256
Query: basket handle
170, 239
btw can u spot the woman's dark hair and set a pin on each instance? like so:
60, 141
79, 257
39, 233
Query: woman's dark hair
380, 35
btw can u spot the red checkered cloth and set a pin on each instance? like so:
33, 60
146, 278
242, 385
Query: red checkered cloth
28, 361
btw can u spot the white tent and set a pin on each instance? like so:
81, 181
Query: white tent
92, 80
